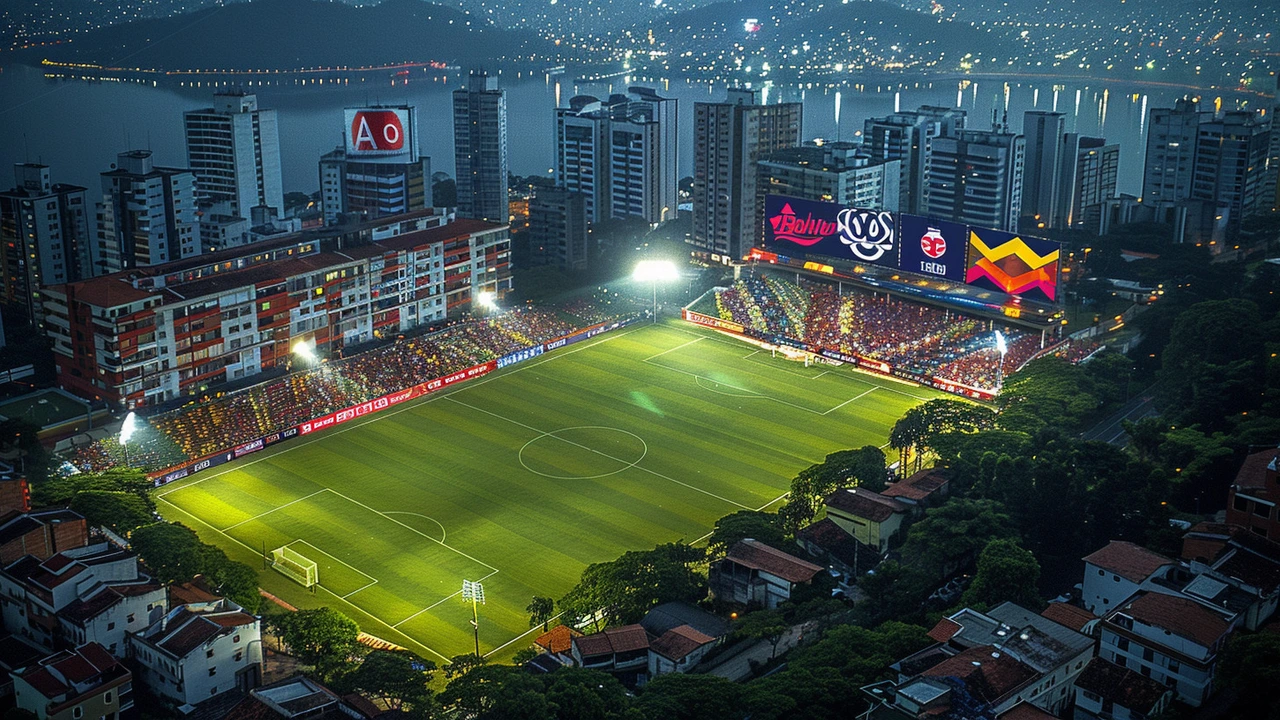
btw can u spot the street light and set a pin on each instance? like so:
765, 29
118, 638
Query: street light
472, 590
127, 429
652, 271
1003, 349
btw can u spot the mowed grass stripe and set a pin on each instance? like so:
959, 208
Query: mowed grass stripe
443, 462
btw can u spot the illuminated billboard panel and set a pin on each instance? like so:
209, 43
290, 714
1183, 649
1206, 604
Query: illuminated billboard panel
380, 134
796, 226
933, 247
1013, 264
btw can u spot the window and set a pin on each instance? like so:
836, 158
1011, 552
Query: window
106, 698
208, 654
1122, 643
1174, 667
213, 671
129, 619
1148, 655
77, 712
239, 656
111, 626
1240, 504
235, 639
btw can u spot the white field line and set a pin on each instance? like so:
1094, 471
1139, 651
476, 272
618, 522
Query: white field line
846, 402
413, 529
332, 557
664, 352
263, 514
602, 454
523, 634
441, 601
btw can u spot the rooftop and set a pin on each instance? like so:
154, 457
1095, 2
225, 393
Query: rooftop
674, 614
987, 673
758, 556
1131, 562
558, 639
919, 486
1182, 617
626, 638
676, 643
1068, 615
1121, 686
864, 503
1253, 474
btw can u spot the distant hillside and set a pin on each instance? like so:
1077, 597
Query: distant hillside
290, 34
862, 34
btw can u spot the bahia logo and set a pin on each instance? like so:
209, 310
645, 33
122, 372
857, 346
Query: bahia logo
806, 232
933, 244
377, 131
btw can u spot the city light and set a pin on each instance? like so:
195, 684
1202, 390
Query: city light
128, 427
655, 271
1001, 346
305, 350
487, 300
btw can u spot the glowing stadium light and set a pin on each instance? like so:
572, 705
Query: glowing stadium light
472, 590
653, 272
1001, 347
128, 427
487, 300
305, 350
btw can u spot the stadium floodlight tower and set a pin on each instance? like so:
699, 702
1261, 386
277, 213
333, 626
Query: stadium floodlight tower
487, 300
306, 351
127, 429
653, 271
472, 590
1003, 349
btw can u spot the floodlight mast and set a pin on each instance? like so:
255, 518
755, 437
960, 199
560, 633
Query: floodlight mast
1003, 349
472, 590
653, 271
127, 429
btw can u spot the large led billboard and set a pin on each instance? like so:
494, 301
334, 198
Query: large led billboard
933, 247
795, 226
1013, 264
380, 134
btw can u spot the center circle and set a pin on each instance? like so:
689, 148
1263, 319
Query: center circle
583, 452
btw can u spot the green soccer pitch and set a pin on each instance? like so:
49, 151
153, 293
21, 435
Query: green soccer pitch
520, 479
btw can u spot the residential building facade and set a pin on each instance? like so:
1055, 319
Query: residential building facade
558, 232
1090, 167
147, 215
753, 573
908, 138
1043, 131
833, 172
87, 682
729, 138
44, 238
198, 651
480, 149
975, 178
233, 148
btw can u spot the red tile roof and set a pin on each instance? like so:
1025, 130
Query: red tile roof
558, 639
1121, 686
987, 673
676, 643
944, 630
107, 291
614, 640
1180, 616
863, 503
1253, 474
919, 486
1068, 615
758, 556
1025, 711
1131, 562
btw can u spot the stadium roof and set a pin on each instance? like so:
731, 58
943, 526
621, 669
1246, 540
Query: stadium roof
1131, 562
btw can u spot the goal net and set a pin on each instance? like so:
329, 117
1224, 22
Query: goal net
295, 565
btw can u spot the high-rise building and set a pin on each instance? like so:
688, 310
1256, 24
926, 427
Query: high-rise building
147, 215
558, 232
1231, 164
1172, 135
833, 172
233, 148
480, 149
729, 138
908, 138
620, 153
1087, 180
1042, 167
975, 178
44, 237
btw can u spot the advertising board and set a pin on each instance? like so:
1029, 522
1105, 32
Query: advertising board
797, 226
380, 134
1013, 264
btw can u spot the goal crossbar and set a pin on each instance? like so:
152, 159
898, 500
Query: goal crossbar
295, 566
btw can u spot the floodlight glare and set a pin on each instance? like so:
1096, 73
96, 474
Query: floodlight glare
305, 350
1001, 347
128, 427
487, 300
655, 271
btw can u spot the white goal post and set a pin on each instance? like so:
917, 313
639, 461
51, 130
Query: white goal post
295, 565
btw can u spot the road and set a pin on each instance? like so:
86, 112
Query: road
739, 667
1111, 430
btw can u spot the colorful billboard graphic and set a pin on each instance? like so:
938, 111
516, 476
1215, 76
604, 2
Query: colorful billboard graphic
380, 135
933, 247
1013, 264
794, 225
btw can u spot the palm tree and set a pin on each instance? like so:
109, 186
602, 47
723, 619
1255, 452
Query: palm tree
540, 610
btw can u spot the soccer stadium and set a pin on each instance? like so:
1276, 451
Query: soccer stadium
515, 450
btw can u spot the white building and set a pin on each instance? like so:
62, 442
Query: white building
833, 172
753, 572
975, 177
198, 651
729, 138
233, 148
1106, 691
1089, 172
620, 153
147, 215
1172, 134
1170, 639
1117, 571
908, 138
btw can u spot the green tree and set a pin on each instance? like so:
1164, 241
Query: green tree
625, 589
462, 664
762, 526
1210, 368
953, 533
171, 551
1250, 666
1006, 573
767, 625
397, 678
541, 610
323, 638
892, 590
496, 692
121, 512
863, 467
238, 583
680, 696
63, 490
